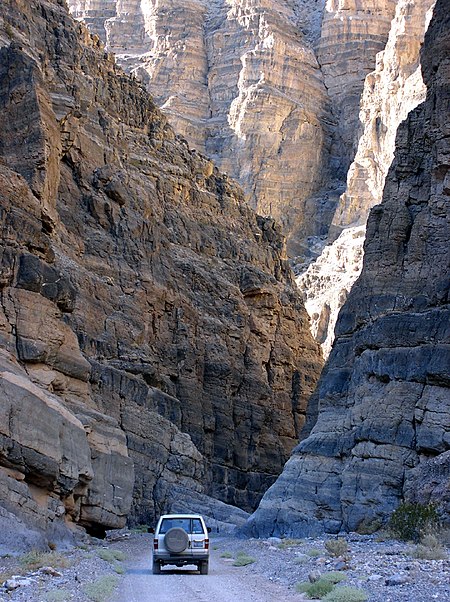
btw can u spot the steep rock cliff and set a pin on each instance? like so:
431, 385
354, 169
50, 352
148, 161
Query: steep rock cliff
146, 312
383, 422
269, 89
390, 92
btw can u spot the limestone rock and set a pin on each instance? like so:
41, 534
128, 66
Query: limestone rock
139, 292
383, 398
328, 280
241, 82
51, 470
390, 92
352, 34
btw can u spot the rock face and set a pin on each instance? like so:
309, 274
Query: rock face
383, 398
328, 280
149, 317
390, 92
269, 89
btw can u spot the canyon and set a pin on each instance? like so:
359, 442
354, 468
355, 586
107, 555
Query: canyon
155, 349
298, 101
147, 354
269, 90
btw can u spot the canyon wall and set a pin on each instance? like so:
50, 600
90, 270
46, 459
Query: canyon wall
299, 101
390, 92
153, 340
383, 422
269, 90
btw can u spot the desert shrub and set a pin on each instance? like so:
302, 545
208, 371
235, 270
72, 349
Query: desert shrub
430, 548
345, 594
336, 547
369, 526
119, 568
36, 559
301, 559
226, 555
243, 559
58, 595
111, 555
314, 552
410, 521
316, 590
101, 589
334, 577
289, 543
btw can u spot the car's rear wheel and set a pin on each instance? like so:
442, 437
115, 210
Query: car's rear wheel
204, 566
176, 540
156, 567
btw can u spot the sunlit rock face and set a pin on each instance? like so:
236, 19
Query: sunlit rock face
381, 411
390, 92
244, 82
352, 33
328, 280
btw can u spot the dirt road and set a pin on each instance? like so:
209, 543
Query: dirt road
225, 583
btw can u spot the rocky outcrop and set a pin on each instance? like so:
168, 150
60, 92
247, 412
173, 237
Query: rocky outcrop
383, 398
390, 92
150, 314
351, 36
328, 280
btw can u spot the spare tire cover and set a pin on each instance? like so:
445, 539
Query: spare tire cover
176, 540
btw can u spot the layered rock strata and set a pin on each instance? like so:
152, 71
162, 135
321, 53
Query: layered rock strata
352, 34
150, 316
383, 421
257, 87
390, 92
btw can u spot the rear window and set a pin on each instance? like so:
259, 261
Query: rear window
190, 525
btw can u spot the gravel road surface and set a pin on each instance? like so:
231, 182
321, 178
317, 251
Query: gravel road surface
224, 583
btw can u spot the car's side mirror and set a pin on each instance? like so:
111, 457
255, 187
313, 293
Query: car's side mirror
150, 530
208, 529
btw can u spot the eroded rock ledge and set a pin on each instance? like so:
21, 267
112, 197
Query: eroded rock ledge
148, 317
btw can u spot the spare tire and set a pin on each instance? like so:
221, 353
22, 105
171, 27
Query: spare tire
176, 540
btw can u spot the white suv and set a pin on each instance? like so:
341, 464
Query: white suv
181, 539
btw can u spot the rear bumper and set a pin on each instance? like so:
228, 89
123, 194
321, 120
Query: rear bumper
179, 559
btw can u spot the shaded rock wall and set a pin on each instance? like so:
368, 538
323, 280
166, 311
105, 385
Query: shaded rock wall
383, 399
125, 299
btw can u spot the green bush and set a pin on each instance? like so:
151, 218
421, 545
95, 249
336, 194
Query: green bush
345, 594
119, 568
334, 577
102, 589
243, 559
430, 548
336, 547
226, 555
111, 555
316, 590
58, 595
314, 552
410, 521
289, 543
35, 560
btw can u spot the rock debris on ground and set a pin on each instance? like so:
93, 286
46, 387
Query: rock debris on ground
386, 570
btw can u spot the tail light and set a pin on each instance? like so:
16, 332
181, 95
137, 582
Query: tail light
206, 544
155, 544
